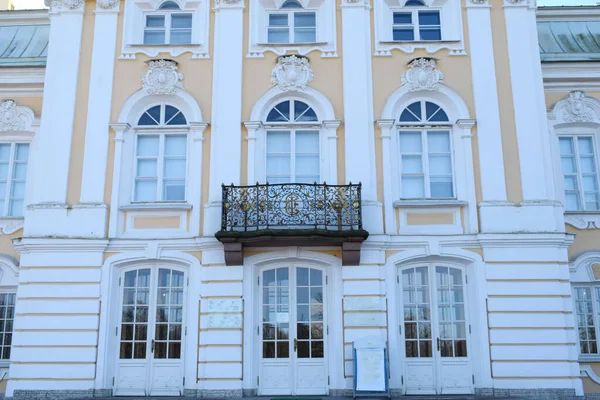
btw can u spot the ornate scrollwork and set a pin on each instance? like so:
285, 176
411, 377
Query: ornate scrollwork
292, 73
14, 117
291, 206
422, 74
577, 110
162, 77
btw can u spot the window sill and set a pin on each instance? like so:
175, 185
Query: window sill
129, 51
155, 206
589, 358
416, 203
166, 45
425, 42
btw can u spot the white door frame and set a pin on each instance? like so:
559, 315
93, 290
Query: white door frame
432, 285
286, 257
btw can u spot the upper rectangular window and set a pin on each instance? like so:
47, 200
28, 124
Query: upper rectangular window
292, 27
580, 176
160, 167
13, 173
426, 164
417, 25
168, 28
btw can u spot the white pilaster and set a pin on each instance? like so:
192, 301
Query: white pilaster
225, 160
120, 130
330, 129
489, 133
252, 127
60, 85
98, 118
521, 32
386, 126
197, 138
358, 109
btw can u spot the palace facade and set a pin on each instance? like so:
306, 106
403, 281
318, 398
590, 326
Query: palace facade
217, 199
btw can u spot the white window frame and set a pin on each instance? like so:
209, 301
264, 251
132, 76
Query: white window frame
596, 318
162, 132
574, 137
414, 11
9, 180
292, 129
168, 15
425, 160
325, 20
291, 25
134, 23
451, 27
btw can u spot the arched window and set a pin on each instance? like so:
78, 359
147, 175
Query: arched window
160, 168
425, 152
414, 23
292, 24
292, 144
168, 25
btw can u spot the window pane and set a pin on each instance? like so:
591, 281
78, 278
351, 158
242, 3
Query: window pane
402, 18
585, 145
278, 35
278, 20
169, 5
181, 21
429, 18
570, 183
278, 142
566, 146
435, 112
147, 145
572, 200
441, 187
174, 168
19, 171
440, 165
155, 21
430, 34
412, 164
591, 201
307, 165
412, 187
22, 152
587, 164
146, 168
305, 35
145, 190
154, 37
410, 142
174, 190
307, 142
5, 152
568, 164
181, 36
175, 145
280, 113
18, 190
590, 183
16, 208
438, 142
302, 19
403, 34
278, 166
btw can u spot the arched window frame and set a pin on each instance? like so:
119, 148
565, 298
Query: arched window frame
459, 126
451, 26
123, 215
575, 116
325, 30
9, 281
135, 13
257, 129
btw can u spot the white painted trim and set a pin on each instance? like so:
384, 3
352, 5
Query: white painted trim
133, 28
587, 372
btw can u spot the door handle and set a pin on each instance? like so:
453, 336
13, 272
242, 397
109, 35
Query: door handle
438, 344
152, 348
295, 345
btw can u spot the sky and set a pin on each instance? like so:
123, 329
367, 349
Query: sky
36, 4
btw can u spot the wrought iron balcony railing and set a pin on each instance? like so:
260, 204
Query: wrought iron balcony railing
291, 206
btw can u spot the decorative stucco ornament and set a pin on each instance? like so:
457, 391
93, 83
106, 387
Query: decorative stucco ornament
292, 73
422, 74
479, 1
12, 117
229, 2
577, 110
64, 4
162, 77
107, 4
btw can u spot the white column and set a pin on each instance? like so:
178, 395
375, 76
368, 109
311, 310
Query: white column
58, 111
358, 109
197, 138
226, 151
521, 31
386, 126
483, 75
252, 127
99, 103
330, 129
120, 130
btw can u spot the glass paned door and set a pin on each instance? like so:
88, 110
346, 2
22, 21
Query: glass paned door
151, 333
291, 335
435, 331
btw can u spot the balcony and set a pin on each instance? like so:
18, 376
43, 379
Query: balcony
291, 214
